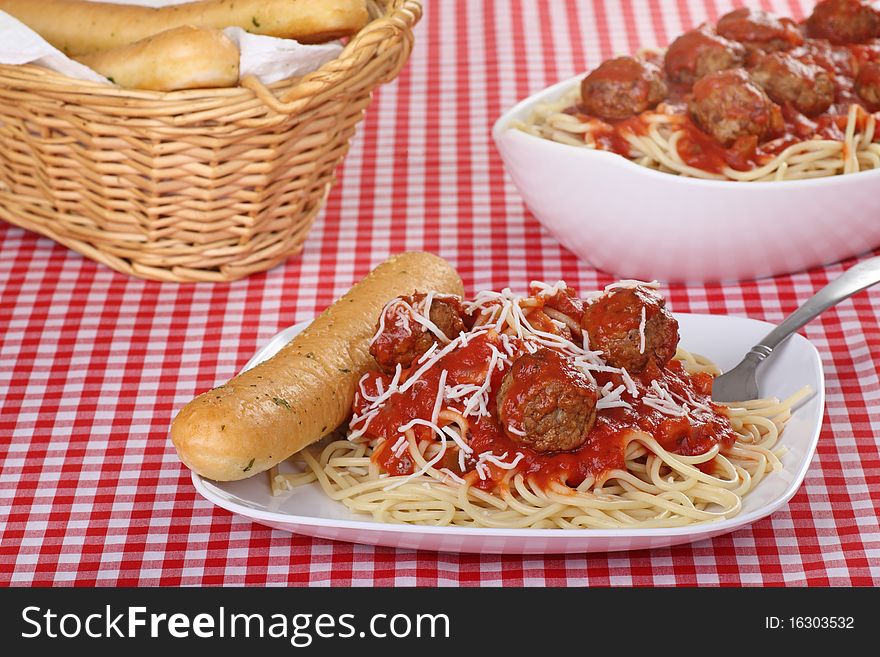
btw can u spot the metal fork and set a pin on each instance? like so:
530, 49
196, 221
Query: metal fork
741, 382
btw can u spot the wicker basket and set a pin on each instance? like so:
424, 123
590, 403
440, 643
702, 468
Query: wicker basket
199, 185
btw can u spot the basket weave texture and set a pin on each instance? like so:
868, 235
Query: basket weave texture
196, 185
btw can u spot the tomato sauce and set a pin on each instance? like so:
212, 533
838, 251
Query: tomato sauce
465, 365
605, 446
611, 135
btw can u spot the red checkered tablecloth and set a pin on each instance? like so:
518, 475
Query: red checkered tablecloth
93, 364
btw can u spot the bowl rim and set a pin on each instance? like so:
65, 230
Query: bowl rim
501, 129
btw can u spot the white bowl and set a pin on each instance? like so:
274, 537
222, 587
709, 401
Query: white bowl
639, 223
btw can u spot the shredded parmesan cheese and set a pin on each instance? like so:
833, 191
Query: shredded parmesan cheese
548, 291
451, 475
611, 398
430, 464
438, 402
642, 332
630, 283
499, 460
399, 447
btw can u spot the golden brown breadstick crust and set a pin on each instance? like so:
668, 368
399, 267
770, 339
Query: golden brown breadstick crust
264, 415
185, 57
79, 26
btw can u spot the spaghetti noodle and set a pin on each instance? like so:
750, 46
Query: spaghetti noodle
425, 444
653, 141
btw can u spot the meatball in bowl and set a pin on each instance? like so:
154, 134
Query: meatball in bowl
747, 148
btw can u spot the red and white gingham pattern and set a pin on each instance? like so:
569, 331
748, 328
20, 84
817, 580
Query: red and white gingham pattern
93, 364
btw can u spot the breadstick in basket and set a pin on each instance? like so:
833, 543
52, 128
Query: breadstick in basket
79, 26
181, 58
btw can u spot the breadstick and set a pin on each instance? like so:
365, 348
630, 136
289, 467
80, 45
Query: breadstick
79, 26
181, 58
262, 416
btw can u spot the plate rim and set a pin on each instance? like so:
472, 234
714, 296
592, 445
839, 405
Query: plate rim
696, 531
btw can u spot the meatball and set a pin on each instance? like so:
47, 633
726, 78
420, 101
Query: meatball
546, 403
700, 52
843, 21
868, 84
728, 106
837, 60
400, 339
622, 87
631, 326
758, 30
808, 87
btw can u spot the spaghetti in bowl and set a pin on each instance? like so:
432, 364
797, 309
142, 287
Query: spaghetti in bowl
638, 222
753, 97
667, 140
723, 113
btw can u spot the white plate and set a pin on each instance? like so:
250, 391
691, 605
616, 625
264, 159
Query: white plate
724, 339
639, 223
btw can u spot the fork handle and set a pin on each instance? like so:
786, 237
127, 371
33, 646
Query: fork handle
855, 279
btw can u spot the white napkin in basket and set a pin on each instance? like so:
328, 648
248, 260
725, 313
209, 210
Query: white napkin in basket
268, 58
19, 44
271, 59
